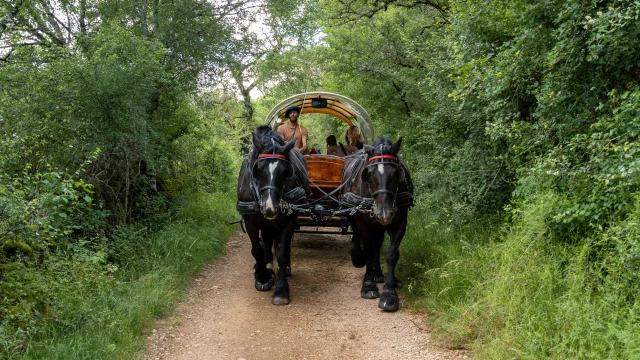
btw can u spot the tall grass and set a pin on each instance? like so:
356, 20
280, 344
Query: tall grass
442, 262
517, 291
106, 315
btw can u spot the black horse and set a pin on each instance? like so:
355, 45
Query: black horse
379, 184
272, 176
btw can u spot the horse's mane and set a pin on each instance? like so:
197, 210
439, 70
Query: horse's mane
266, 135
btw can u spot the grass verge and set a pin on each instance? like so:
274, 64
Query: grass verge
101, 314
517, 291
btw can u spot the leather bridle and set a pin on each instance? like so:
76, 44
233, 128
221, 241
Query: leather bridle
393, 161
258, 191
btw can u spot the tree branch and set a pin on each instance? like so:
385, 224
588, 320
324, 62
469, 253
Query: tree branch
353, 10
403, 97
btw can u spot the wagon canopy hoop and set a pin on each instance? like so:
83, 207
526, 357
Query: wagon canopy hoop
320, 102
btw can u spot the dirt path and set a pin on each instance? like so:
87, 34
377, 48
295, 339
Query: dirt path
224, 317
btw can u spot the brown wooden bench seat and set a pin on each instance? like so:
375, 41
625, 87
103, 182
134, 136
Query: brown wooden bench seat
325, 173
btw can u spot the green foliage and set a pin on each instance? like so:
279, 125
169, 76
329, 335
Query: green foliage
41, 210
119, 77
520, 122
206, 155
550, 300
70, 296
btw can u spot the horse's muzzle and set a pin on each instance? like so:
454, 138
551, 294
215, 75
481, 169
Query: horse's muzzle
384, 209
269, 208
269, 215
385, 215
385, 219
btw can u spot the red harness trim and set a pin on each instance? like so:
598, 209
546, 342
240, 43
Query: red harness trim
391, 157
262, 156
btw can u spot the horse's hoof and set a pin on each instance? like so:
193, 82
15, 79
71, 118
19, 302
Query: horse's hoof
389, 302
287, 271
369, 290
370, 294
357, 259
264, 286
280, 300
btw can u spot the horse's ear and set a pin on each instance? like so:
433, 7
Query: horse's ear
365, 174
284, 149
369, 150
395, 148
257, 143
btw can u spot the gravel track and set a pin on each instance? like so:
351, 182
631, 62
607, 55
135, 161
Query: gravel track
224, 317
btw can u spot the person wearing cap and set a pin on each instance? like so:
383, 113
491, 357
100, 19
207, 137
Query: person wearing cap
293, 129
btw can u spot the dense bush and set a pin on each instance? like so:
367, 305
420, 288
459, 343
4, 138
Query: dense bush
521, 126
100, 128
52, 311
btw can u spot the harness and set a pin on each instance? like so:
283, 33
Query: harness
350, 203
355, 202
293, 196
254, 185
382, 162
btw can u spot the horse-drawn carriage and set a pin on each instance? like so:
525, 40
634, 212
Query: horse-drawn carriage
325, 171
280, 190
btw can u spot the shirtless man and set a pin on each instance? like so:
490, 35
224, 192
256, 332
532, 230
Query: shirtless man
293, 129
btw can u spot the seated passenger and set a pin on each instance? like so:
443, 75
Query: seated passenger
293, 129
333, 148
354, 139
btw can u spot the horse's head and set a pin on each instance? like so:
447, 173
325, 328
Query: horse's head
383, 174
271, 169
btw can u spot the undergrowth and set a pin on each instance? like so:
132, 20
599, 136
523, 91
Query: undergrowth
100, 303
523, 292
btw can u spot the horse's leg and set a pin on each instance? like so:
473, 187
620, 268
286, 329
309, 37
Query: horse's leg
389, 300
357, 254
281, 291
369, 237
378, 276
263, 280
268, 236
287, 269
276, 247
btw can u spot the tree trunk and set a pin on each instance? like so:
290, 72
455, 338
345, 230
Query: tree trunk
143, 18
155, 22
53, 21
82, 16
246, 97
